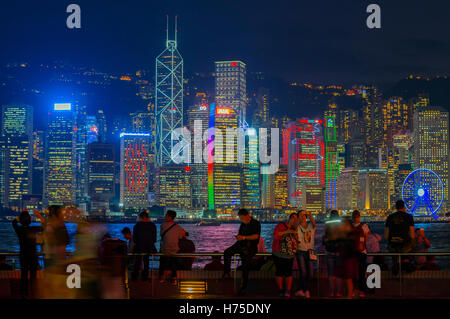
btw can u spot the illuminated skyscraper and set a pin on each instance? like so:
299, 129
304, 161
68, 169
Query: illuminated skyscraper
168, 99
431, 143
347, 125
373, 189
102, 129
59, 175
261, 116
38, 163
226, 174
372, 125
397, 117
251, 172
355, 151
198, 121
231, 87
100, 162
91, 129
281, 188
134, 170
347, 189
80, 170
16, 148
313, 198
267, 188
305, 148
173, 189
331, 161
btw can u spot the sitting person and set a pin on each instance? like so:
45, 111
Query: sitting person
215, 264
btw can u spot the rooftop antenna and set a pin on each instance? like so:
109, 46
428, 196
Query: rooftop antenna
167, 29
176, 30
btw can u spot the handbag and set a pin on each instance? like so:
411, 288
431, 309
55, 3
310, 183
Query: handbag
288, 244
312, 255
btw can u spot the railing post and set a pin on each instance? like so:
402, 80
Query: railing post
151, 271
235, 274
318, 275
127, 287
400, 272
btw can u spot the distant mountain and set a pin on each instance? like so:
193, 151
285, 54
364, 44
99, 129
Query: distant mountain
438, 90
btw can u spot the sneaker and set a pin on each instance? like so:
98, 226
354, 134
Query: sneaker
287, 294
280, 293
362, 294
300, 293
161, 280
307, 294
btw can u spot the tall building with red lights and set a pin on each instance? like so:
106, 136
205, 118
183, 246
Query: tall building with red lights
134, 170
303, 144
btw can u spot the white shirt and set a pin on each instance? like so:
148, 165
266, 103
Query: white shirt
305, 237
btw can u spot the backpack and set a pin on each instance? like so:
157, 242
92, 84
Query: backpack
359, 238
288, 244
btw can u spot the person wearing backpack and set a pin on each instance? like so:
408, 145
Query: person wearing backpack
187, 246
171, 234
362, 232
305, 252
284, 247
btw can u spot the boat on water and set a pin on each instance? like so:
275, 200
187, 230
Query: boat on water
208, 222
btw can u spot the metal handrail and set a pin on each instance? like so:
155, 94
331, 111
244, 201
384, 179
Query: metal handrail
206, 254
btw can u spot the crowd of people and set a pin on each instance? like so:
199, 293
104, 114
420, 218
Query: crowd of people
346, 242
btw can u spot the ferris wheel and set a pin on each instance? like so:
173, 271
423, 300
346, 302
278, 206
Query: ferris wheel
423, 192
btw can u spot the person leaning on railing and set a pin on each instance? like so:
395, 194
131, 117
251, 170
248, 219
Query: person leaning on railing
28, 256
399, 233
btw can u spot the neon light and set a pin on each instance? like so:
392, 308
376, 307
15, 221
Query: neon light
233, 63
62, 106
212, 111
134, 134
223, 111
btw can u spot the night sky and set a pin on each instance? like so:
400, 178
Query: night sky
317, 41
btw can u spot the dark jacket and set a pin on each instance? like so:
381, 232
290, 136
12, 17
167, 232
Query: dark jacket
27, 238
144, 237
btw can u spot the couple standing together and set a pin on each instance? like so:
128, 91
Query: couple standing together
294, 239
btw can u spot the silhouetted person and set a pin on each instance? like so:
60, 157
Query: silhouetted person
246, 246
187, 246
126, 232
215, 264
399, 233
144, 238
28, 256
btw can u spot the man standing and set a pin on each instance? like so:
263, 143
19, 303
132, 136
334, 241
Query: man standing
28, 256
362, 233
246, 246
144, 238
171, 234
399, 233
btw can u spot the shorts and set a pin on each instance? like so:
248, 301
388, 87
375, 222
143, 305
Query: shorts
283, 266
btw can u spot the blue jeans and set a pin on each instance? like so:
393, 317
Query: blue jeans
306, 269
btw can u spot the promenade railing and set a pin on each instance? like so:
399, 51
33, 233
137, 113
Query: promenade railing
318, 264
